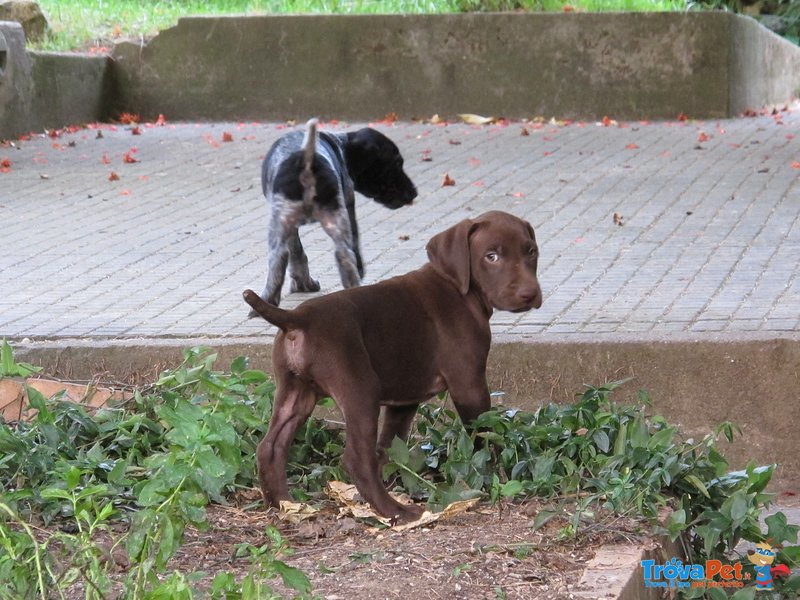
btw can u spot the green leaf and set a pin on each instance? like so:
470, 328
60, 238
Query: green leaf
661, 439
716, 594
621, 441
735, 508
601, 440
223, 583
747, 593
695, 481
292, 577
398, 451
9, 368
153, 492
55, 493
542, 517
171, 533
779, 530
639, 434
676, 523
511, 488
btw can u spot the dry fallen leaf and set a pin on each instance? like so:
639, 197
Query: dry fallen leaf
227, 136
128, 158
632, 147
129, 118
295, 512
471, 119
113, 176
448, 180
524, 131
136, 131
703, 137
435, 120
618, 219
796, 164
310, 530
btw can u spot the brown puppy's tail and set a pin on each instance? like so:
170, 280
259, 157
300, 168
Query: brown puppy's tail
282, 319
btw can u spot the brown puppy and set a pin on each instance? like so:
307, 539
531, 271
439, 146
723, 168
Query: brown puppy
396, 344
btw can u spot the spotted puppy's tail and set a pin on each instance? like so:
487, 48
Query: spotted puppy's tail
307, 179
282, 319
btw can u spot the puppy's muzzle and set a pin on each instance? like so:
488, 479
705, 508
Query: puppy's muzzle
529, 296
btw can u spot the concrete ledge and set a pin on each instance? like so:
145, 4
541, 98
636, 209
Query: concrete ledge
581, 66
694, 384
69, 89
48, 90
628, 65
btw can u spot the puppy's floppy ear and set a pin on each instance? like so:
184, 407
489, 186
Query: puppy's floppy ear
448, 253
529, 227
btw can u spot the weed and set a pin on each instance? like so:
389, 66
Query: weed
10, 368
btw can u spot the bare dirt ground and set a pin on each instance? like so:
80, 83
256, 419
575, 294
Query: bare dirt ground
487, 552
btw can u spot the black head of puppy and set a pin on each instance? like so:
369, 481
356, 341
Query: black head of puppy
376, 168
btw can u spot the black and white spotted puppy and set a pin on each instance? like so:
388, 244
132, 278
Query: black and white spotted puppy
313, 177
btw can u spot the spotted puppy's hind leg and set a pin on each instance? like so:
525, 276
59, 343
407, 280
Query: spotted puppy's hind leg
280, 233
337, 226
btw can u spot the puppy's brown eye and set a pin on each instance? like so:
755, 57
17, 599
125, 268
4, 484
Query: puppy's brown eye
531, 251
492, 257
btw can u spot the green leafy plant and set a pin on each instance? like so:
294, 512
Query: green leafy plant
155, 463
10, 368
597, 451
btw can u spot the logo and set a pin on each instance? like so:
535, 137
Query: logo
711, 574
762, 557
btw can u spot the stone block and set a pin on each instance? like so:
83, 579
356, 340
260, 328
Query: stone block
28, 14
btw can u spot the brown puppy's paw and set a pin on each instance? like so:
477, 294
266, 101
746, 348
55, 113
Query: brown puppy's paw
407, 514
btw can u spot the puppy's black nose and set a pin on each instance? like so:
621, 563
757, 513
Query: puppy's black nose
531, 295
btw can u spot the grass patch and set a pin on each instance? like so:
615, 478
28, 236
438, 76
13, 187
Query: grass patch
84, 24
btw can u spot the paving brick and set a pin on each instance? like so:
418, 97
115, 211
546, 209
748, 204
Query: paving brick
709, 243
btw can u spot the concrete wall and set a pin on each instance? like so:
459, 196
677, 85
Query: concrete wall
16, 83
41, 90
632, 65
584, 66
765, 68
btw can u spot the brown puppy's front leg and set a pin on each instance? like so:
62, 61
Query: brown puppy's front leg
360, 458
471, 397
293, 404
396, 423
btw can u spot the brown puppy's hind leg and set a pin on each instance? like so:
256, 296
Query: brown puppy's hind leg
293, 404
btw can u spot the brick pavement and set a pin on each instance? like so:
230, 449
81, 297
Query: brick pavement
710, 241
